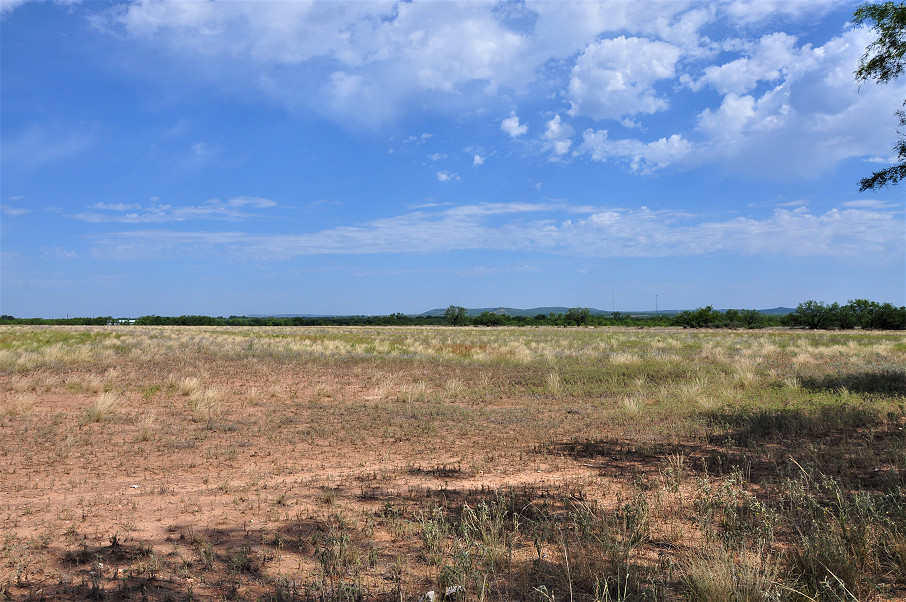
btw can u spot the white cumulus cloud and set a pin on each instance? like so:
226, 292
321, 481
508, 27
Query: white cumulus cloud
446, 176
773, 57
783, 107
511, 126
558, 136
811, 117
384, 55
614, 78
643, 157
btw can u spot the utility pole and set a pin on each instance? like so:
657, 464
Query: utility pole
655, 304
613, 304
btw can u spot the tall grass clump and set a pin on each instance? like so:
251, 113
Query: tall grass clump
17, 405
844, 541
189, 386
632, 404
554, 383
340, 563
472, 548
600, 545
727, 513
204, 403
147, 429
719, 574
104, 405
581, 549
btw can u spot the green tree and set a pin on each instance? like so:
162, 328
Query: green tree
863, 312
487, 318
810, 314
579, 316
889, 317
732, 318
455, 315
816, 315
700, 318
752, 318
884, 61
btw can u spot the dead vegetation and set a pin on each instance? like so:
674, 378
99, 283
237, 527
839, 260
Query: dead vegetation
500, 464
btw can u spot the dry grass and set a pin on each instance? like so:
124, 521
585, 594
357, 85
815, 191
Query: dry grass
720, 575
369, 463
204, 402
103, 406
16, 404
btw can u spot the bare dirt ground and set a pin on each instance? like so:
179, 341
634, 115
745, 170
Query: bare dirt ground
344, 465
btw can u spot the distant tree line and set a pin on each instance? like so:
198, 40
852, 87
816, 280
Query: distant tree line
708, 317
858, 313
98, 321
815, 315
397, 319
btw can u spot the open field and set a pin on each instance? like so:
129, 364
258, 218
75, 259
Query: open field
508, 464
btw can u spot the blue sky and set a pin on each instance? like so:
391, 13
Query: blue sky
231, 157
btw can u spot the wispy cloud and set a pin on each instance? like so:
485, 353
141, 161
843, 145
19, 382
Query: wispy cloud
13, 211
481, 271
58, 253
40, 145
872, 204
549, 228
8, 6
130, 213
116, 206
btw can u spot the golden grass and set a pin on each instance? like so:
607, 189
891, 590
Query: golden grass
16, 404
204, 402
102, 407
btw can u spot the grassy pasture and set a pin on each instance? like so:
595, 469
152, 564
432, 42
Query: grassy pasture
506, 464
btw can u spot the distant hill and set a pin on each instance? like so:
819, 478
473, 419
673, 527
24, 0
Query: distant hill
289, 316
529, 313
512, 311
777, 311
